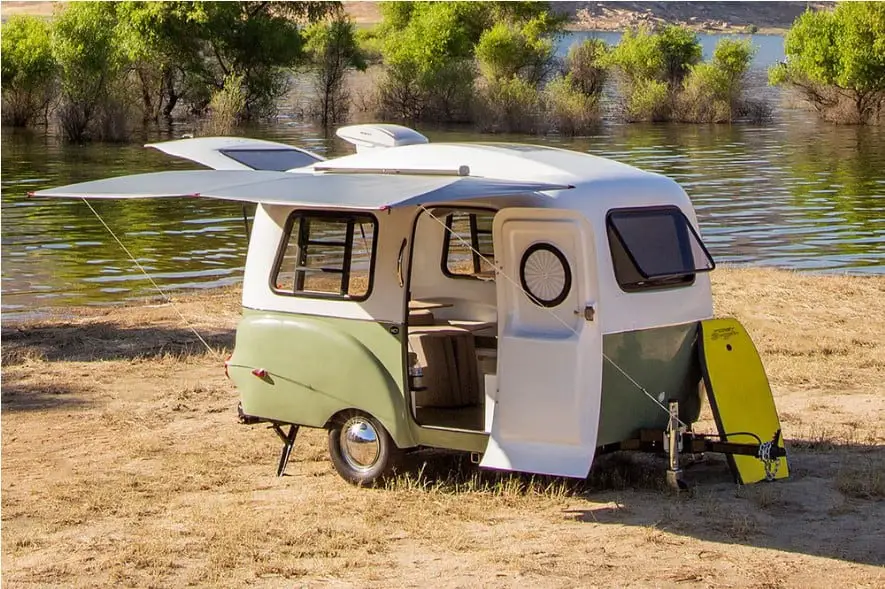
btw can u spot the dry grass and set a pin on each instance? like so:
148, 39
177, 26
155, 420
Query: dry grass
123, 464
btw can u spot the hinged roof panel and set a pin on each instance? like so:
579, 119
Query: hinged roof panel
343, 191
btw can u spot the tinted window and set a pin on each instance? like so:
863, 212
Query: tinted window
277, 160
327, 255
467, 245
655, 248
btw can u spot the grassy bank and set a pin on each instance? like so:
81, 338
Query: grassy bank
123, 463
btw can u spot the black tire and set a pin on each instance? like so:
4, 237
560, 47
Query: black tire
362, 465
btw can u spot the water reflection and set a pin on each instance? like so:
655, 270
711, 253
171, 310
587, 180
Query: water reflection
796, 194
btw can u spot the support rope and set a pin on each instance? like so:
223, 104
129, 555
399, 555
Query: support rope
150, 278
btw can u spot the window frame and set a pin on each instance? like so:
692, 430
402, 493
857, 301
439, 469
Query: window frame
324, 214
660, 282
474, 243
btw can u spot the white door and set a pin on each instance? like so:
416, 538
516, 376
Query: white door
549, 344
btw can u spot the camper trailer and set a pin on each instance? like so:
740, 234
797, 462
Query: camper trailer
530, 305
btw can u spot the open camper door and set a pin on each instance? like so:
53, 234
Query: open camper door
549, 344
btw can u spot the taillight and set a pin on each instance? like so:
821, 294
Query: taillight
227, 365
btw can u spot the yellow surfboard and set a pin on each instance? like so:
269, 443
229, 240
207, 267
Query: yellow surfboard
739, 395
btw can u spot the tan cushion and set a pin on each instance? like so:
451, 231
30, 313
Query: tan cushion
421, 317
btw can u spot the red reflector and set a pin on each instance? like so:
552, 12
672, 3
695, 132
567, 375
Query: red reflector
260, 372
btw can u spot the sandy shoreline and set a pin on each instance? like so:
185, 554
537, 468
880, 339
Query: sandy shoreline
123, 463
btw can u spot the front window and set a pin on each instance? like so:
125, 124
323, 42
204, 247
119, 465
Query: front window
328, 255
467, 245
655, 247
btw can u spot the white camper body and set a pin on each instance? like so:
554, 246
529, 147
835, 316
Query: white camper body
553, 297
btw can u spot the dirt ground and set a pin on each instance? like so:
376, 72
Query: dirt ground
123, 464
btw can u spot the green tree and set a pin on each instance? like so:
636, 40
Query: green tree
653, 66
713, 91
260, 41
836, 60
586, 66
333, 51
429, 51
509, 50
28, 70
164, 45
92, 64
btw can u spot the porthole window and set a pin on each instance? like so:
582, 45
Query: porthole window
545, 275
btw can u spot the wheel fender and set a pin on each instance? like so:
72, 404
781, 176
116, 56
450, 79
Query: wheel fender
313, 370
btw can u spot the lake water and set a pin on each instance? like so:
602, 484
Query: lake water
794, 193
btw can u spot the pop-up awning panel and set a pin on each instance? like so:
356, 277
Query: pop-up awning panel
345, 191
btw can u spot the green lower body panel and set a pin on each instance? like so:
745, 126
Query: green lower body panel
304, 369
664, 360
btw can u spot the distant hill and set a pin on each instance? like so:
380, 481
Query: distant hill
710, 16
606, 16
609, 16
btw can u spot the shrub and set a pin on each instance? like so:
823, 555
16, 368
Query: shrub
713, 91
704, 99
653, 66
586, 66
570, 110
836, 60
226, 107
28, 70
507, 50
680, 49
429, 60
509, 106
649, 100
430, 54
333, 52
85, 46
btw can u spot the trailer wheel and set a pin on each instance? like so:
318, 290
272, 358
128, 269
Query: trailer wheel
361, 449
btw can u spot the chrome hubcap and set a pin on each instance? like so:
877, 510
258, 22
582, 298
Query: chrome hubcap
359, 443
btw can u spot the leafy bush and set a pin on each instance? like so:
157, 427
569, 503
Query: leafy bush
507, 50
333, 51
586, 66
680, 49
226, 107
509, 106
570, 110
430, 51
28, 70
653, 66
91, 64
429, 67
370, 44
836, 60
649, 100
713, 91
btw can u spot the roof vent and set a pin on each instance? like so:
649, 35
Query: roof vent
366, 137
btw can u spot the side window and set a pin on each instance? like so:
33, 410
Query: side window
655, 248
326, 255
467, 245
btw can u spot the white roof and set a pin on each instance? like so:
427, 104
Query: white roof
513, 161
600, 183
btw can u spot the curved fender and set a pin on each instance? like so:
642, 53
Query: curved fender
313, 367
